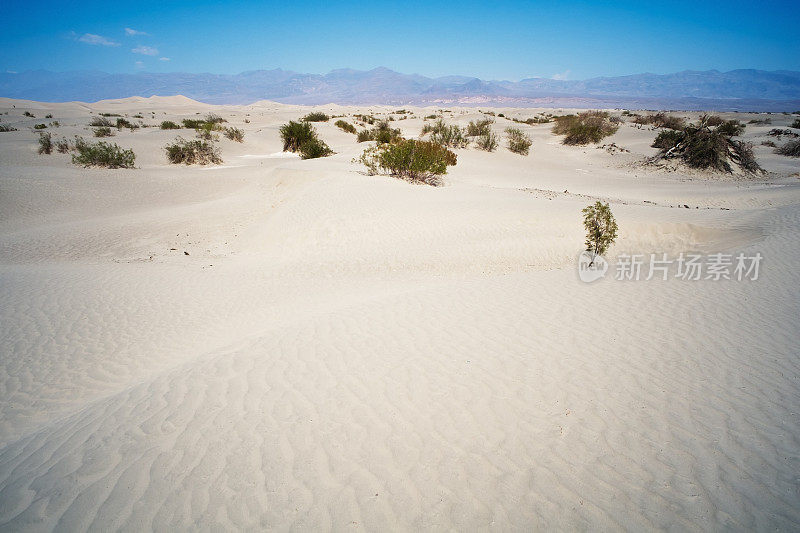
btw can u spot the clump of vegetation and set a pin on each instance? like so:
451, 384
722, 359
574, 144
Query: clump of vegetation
768, 143
661, 120
102, 154
796, 123
206, 131
302, 137
533, 120
711, 120
45, 143
791, 149
6, 127
382, 133
55, 124
479, 128
700, 146
234, 134
761, 121
29, 114
584, 128
601, 228
211, 118
367, 119
316, 116
39, 126
451, 136
100, 122
103, 131
518, 141
487, 141
732, 128
194, 152
345, 126
169, 125
110, 115
62, 146
409, 159
124, 123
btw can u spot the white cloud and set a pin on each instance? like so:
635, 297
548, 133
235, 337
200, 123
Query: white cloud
145, 50
561, 75
91, 38
163, 59
130, 32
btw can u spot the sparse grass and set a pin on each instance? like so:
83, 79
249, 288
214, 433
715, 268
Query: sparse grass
345, 126
234, 134
584, 128
518, 141
103, 131
316, 116
45, 143
409, 159
760, 121
103, 154
194, 152
100, 122
791, 149
169, 125
487, 141
40, 126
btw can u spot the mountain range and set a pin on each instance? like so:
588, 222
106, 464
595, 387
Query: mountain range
736, 90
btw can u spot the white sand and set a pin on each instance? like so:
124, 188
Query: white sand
342, 351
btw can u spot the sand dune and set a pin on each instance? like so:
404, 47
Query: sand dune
342, 351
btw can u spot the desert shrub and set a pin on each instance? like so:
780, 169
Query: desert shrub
661, 120
382, 133
103, 154
29, 114
316, 116
124, 123
194, 152
796, 123
103, 131
39, 126
731, 128
45, 143
451, 136
667, 139
62, 146
760, 121
501, 115
711, 120
206, 131
234, 134
369, 119
169, 125
192, 123
481, 127
430, 117
412, 160
345, 126
314, 148
6, 127
702, 147
791, 148
110, 115
138, 115
487, 141
55, 124
601, 228
584, 128
100, 122
769, 143
363, 136
295, 134
211, 118
518, 141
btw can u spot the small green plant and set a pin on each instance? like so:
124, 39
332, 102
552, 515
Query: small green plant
487, 141
791, 149
169, 125
601, 228
316, 116
660, 120
584, 128
103, 131
301, 137
666, 139
193, 124
518, 141
45, 143
412, 160
381, 133
110, 115
234, 134
103, 154
194, 152
39, 126
449, 136
100, 122
314, 148
345, 126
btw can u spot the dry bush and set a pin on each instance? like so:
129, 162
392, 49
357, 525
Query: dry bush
518, 141
103, 131
102, 154
192, 152
487, 141
345, 126
234, 134
479, 128
584, 128
45, 143
791, 149
169, 125
100, 122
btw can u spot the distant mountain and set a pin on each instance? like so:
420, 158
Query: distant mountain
743, 90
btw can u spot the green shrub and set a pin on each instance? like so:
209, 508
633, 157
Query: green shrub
796, 123
39, 126
103, 154
123, 123
234, 134
381, 133
193, 124
487, 141
55, 124
731, 128
761, 121
6, 127
103, 131
448, 136
661, 120
667, 139
705, 148
601, 228
412, 160
192, 152
169, 125
29, 114
314, 148
584, 128
110, 115
518, 141
100, 122
211, 118
295, 134
479, 128
45, 143
316, 116
345, 126
791, 149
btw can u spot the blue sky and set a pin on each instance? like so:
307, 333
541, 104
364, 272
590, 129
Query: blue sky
490, 40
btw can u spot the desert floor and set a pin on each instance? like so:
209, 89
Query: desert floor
288, 344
